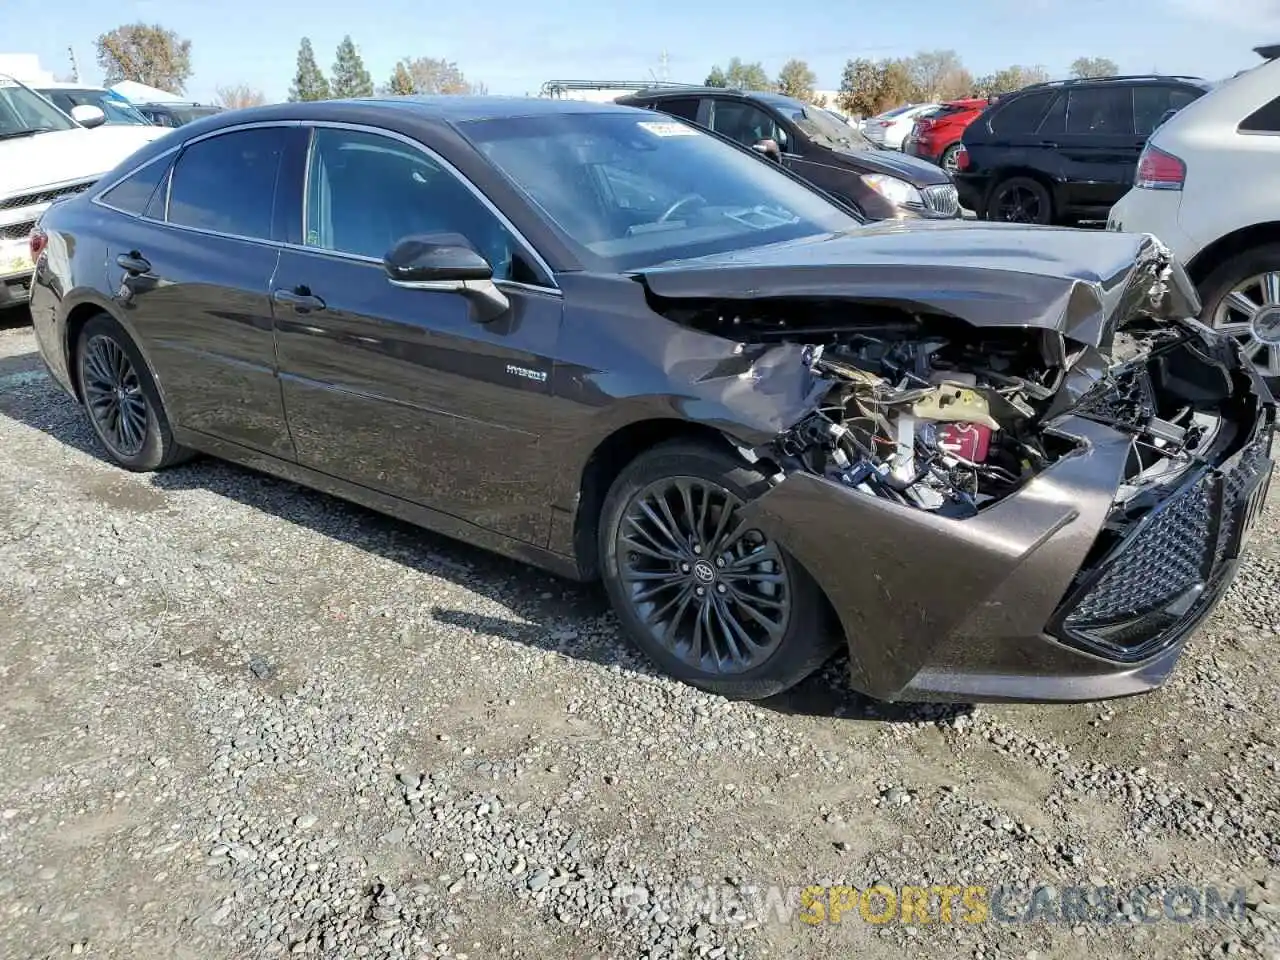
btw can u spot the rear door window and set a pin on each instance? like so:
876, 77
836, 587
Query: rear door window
227, 183
1150, 104
1100, 111
686, 108
1021, 114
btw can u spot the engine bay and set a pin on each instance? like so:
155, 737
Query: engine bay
933, 413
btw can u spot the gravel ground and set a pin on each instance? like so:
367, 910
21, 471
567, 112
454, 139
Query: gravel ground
242, 719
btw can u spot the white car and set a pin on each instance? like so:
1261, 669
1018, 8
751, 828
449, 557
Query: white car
889, 129
1208, 186
46, 155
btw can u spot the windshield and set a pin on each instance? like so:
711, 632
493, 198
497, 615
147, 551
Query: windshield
116, 109
631, 191
823, 126
24, 112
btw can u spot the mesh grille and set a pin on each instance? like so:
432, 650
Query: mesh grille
1164, 558
1235, 486
45, 196
942, 199
17, 231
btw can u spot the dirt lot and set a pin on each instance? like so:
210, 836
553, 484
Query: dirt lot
242, 719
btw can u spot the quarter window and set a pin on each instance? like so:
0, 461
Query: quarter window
227, 183
133, 194
1266, 119
368, 192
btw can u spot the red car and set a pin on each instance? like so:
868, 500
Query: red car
937, 137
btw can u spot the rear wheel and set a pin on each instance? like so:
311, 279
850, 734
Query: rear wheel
709, 599
121, 398
1242, 299
947, 161
1020, 200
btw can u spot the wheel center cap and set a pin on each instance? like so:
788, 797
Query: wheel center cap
1266, 325
704, 572
121, 393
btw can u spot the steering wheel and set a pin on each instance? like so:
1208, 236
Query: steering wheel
687, 198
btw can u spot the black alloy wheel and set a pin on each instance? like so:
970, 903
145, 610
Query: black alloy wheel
710, 598
120, 395
1020, 200
710, 590
113, 394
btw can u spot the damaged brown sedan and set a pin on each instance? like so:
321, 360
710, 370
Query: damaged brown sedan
992, 462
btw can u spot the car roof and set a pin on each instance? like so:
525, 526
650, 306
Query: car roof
68, 85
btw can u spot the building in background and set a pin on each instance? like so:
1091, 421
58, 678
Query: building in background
25, 67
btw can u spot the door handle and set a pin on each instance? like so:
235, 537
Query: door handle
1049, 144
300, 298
133, 263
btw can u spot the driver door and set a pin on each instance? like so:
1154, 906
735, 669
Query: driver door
408, 391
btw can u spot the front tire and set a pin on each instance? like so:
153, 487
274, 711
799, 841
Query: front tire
121, 398
712, 602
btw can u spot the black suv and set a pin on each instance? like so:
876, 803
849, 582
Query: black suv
176, 114
879, 184
1064, 151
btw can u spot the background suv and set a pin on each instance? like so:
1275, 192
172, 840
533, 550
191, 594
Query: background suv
810, 142
1064, 151
67, 96
936, 136
1208, 185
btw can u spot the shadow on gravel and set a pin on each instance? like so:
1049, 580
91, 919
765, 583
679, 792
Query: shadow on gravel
550, 613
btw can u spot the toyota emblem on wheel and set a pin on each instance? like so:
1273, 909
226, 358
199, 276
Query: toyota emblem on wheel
702, 570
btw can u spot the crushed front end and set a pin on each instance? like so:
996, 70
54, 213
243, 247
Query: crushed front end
1030, 512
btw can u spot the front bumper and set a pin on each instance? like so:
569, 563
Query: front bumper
1013, 604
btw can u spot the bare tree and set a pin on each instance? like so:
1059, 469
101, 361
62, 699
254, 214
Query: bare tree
239, 96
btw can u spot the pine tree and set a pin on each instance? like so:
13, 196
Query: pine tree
350, 78
308, 83
401, 83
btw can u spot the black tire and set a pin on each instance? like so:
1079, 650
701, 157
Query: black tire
795, 650
1027, 191
947, 159
1217, 286
149, 444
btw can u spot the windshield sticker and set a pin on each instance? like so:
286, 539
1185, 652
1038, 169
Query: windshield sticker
660, 129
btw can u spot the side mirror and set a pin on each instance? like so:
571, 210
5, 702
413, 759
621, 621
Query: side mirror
447, 264
88, 116
769, 148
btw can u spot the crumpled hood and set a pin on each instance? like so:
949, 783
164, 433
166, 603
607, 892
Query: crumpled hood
1080, 283
28, 163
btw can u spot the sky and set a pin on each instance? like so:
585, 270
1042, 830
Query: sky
513, 46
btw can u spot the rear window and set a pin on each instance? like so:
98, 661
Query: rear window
1021, 114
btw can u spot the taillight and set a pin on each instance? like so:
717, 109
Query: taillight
1158, 170
38, 240
962, 158
923, 125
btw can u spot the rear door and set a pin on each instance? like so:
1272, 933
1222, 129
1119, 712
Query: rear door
193, 276
1094, 129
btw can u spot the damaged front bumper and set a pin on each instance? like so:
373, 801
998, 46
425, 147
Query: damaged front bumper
1040, 596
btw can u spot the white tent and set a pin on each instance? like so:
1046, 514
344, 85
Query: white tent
141, 93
